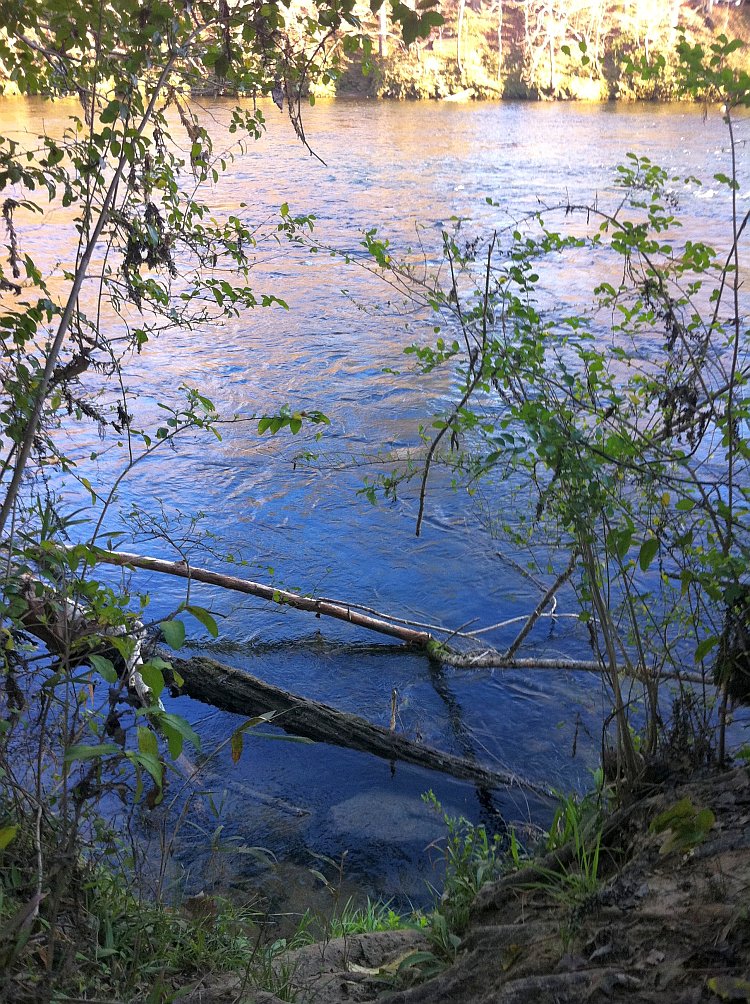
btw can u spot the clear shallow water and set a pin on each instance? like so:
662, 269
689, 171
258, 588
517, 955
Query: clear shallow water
390, 166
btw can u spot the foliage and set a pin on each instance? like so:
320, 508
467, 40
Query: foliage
686, 825
573, 817
582, 50
472, 859
623, 423
349, 920
130, 180
113, 943
729, 988
574, 884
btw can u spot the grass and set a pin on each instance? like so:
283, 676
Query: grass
95, 938
472, 859
100, 940
351, 920
576, 822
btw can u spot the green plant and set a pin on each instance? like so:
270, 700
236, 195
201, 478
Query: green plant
575, 827
686, 825
573, 817
144, 253
111, 941
604, 417
472, 859
351, 920
575, 884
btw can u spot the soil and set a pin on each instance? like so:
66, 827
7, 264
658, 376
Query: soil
669, 921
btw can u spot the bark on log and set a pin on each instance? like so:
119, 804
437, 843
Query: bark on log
328, 608
237, 691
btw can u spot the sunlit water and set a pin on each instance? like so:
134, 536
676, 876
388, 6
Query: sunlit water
406, 169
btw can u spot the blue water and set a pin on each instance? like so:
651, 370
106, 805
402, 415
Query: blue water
406, 169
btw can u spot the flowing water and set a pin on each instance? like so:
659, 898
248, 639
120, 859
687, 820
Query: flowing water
405, 169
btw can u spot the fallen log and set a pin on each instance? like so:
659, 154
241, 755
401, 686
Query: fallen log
66, 626
221, 686
328, 608
486, 658
237, 691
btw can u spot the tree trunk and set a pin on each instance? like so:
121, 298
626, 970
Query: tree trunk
499, 39
383, 31
459, 30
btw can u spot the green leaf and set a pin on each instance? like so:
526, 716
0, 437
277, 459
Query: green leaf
648, 552
173, 632
150, 763
153, 676
702, 649
87, 484
237, 745
7, 834
237, 740
183, 728
82, 752
104, 668
680, 811
205, 618
111, 112
147, 741
729, 988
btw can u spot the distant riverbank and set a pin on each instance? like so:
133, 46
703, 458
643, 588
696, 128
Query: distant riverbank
513, 59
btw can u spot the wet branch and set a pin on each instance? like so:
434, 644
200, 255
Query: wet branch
486, 658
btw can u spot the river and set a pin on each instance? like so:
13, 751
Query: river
405, 169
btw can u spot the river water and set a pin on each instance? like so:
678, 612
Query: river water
405, 169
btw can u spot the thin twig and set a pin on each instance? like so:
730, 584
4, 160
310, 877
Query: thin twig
549, 595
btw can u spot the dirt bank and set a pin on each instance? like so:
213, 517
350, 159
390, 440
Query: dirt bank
668, 921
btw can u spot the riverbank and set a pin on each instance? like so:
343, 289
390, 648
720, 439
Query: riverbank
514, 59
663, 920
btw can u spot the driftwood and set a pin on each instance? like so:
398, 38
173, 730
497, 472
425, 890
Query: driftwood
60, 624
327, 608
485, 658
236, 691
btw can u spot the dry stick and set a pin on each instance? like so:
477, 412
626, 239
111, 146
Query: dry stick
327, 608
516, 644
487, 659
433, 447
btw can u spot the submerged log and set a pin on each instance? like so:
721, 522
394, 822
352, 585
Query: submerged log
237, 691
